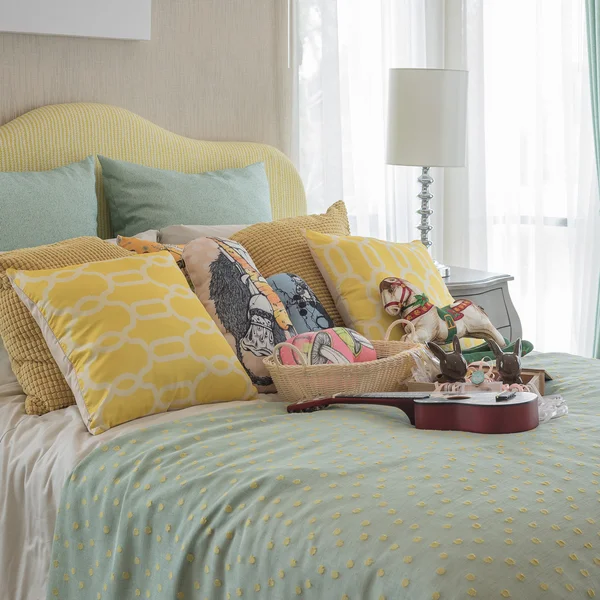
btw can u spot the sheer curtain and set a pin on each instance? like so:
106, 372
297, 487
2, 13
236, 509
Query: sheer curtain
525, 203
344, 49
542, 196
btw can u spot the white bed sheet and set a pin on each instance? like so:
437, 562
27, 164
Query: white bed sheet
36, 456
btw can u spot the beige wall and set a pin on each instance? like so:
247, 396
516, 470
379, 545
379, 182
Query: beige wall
214, 69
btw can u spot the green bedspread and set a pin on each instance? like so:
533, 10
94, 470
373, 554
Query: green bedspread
343, 503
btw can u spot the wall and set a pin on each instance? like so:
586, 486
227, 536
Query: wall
214, 69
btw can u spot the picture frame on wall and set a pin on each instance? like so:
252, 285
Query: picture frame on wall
117, 19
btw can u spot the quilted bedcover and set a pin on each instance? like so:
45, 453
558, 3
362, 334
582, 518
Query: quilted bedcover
346, 503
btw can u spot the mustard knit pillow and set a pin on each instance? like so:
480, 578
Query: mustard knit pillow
280, 247
32, 363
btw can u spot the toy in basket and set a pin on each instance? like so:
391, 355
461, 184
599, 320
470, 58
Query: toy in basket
394, 364
337, 346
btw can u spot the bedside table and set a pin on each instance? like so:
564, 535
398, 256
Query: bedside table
490, 291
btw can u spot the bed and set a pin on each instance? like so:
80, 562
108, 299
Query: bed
243, 500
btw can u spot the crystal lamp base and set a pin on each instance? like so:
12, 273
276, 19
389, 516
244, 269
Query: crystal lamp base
425, 211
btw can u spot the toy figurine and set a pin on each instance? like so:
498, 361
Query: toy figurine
462, 318
452, 364
508, 364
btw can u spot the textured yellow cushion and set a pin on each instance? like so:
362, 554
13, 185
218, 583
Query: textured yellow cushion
131, 338
34, 367
280, 247
353, 268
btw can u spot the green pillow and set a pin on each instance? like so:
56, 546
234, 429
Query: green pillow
484, 351
142, 198
43, 207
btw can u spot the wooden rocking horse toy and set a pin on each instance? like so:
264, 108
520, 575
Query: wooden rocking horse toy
462, 318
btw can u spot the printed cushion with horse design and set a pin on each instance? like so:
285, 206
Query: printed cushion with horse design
130, 338
305, 311
353, 267
243, 305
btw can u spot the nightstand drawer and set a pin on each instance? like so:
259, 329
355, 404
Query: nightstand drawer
490, 291
494, 304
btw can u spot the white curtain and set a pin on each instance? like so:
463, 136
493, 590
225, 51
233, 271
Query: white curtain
345, 49
542, 196
526, 204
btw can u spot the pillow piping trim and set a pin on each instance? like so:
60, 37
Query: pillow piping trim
58, 354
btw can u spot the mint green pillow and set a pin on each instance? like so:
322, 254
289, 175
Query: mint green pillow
142, 198
43, 207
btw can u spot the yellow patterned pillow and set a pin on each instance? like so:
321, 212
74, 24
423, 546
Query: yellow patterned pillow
131, 338
31, 361
353, 268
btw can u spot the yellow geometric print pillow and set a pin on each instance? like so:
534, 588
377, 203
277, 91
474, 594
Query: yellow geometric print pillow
353, 268
131, 338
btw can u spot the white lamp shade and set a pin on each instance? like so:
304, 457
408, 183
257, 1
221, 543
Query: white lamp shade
427, 117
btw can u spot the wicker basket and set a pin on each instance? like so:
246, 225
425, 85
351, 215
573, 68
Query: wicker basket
394, 365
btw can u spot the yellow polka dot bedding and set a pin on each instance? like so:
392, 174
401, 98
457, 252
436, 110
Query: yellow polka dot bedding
251, 502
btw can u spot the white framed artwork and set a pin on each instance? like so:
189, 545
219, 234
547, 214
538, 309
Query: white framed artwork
118, 19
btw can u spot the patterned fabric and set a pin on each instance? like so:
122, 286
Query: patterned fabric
131, 338
336, 346
145, 247
67, 197
280, 246
244, 306
303, 307
170, 197
32, 363
140, 246
343, 503
353, 268
90, 129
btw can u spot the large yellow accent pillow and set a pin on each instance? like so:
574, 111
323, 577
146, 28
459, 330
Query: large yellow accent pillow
280, 247
32, 363
131, 338
353, 268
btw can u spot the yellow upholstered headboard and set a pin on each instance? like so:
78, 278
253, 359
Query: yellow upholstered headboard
56, 135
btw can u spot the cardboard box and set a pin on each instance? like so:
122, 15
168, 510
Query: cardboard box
537, 377
414, 386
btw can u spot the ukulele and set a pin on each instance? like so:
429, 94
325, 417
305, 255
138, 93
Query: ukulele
477, 412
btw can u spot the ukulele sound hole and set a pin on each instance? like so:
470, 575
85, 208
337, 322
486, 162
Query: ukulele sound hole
458, 397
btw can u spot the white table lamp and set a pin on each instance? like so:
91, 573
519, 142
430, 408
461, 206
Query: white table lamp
427, 126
